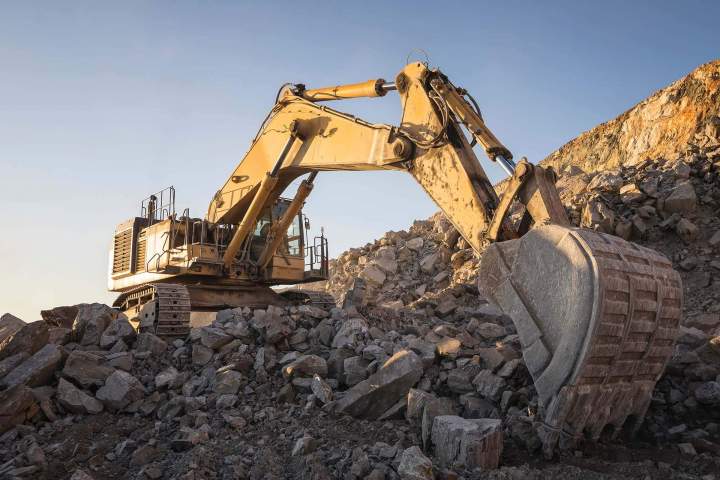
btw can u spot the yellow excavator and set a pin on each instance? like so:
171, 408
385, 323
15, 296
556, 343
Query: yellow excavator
597, 316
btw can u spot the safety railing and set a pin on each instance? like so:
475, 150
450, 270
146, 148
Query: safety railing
158, 206
316, 256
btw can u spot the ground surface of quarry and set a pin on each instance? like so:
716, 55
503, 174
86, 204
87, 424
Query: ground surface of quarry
416, 377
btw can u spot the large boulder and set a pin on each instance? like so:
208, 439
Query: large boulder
306, 365
91, 321
150, 344
214, 337
86, 369
17, 404
119, 329
36, 370
60, 316
29, 338
372, 397
9, 325
120, 390
467, 443
75, 400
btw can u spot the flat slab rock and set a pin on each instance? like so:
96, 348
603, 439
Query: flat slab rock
374, 396
467, 443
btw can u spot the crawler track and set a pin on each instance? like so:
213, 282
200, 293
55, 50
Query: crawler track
161, 308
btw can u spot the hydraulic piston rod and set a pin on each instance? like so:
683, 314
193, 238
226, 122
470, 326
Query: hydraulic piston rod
372, 88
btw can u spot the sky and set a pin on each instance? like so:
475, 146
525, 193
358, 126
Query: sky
103, 103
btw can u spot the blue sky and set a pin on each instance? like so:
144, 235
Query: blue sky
102, 103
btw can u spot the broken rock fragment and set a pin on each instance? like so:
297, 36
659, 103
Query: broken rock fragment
75, 400
36, 370
120, 390
372, 397
467, 443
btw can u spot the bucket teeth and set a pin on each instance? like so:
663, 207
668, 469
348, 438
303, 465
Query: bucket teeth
597, 318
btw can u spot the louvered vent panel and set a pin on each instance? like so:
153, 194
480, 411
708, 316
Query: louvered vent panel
140, 252
122, 251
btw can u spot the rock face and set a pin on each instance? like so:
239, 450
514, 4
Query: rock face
468, 443
372, 397
655, 128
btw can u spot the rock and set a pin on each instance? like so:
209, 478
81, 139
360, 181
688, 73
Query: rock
490, 330
373, 274
9, 326
459, 380
304, 445
119, 329
322, 391
467, 443
682, 199
75, 400
416, 401
414, 244
488, 385
29, 338
59, 335
9, 364
167, 378
630, 193
81, 475
91, 321
597, 216
36, 370
686, 230
355, 370
714, 240
214, 338
708, 393
414, 465
427, 264
224, 402
606, 182
350, 330
60, 316
307, 365
121, 360
150, 343
372, 397
17, 404
448, 347
434, 408
227, 382
687, 449
120, 390
86, 369
426, 351
201, 354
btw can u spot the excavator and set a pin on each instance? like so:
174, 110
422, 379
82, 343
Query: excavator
597, 316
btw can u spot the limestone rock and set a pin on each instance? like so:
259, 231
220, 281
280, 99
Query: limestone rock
60, 316
682, 199
86, 369
307, 365
467, 443
30, 338
372, 397
120, 390
9, 325
119, 329
214, 338
150, 343
75, 400
36, 370
17, 404
414, 465
91, 321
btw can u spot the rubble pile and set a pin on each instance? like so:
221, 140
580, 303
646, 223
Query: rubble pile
413, 376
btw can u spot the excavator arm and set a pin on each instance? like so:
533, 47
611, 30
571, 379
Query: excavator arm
596, 316
301, 135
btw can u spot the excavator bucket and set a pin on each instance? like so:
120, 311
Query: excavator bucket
597, 318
